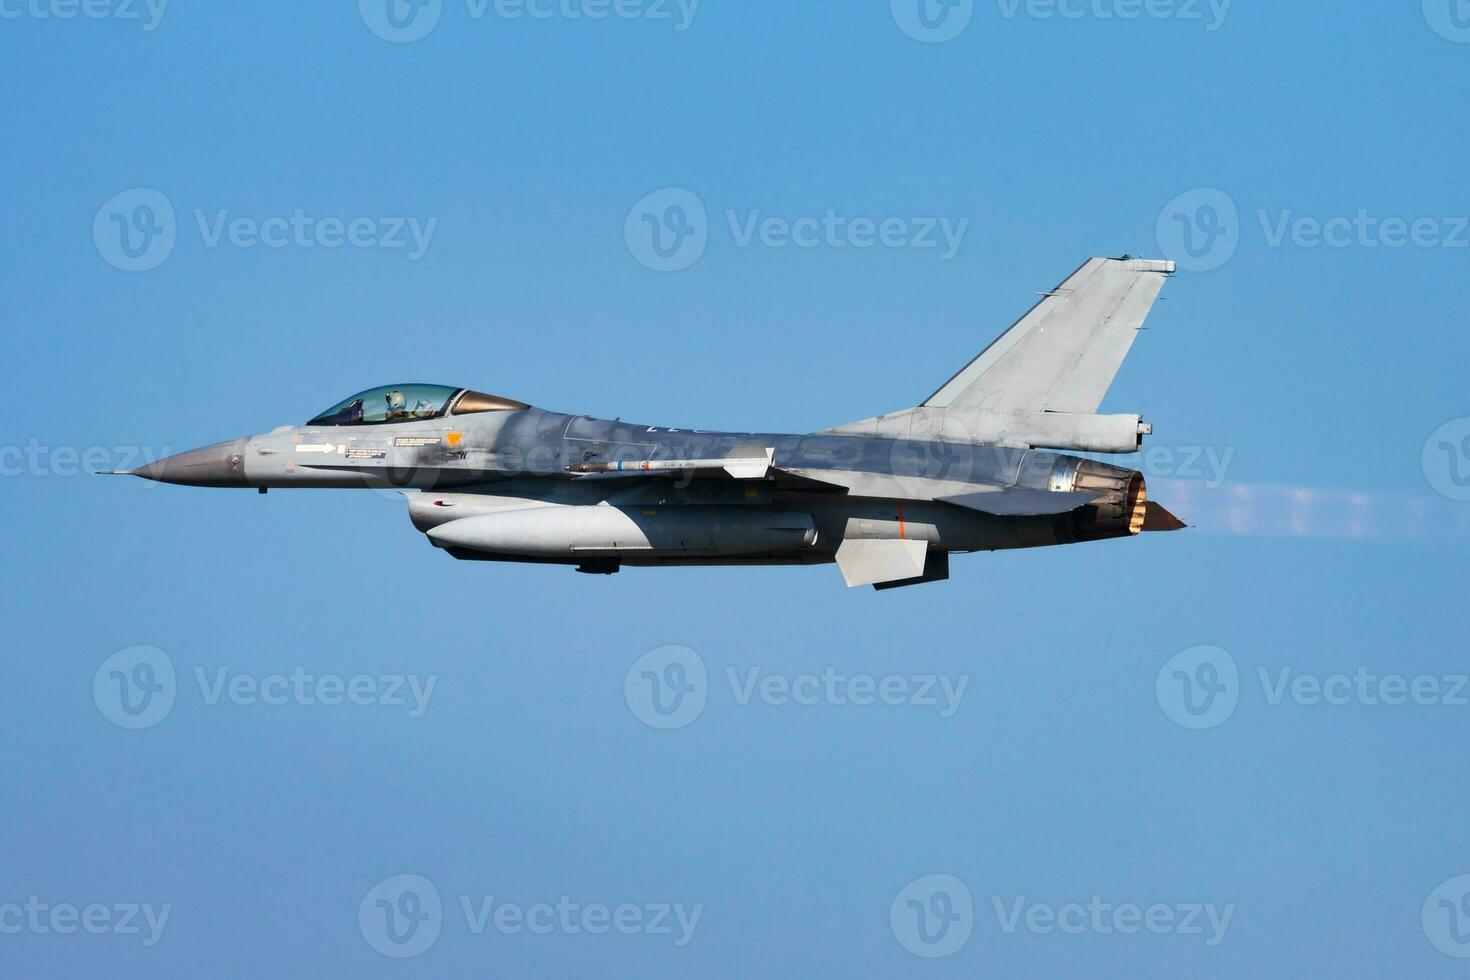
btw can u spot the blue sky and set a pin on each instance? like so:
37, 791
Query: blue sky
332, 202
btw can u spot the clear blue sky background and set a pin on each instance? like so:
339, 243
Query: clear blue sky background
528, 777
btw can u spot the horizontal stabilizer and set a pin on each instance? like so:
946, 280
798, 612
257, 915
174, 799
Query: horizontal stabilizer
869, 562
1156, 518
1022, 503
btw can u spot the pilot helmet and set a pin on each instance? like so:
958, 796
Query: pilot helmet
396, 401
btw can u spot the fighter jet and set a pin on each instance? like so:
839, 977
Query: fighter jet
974, 467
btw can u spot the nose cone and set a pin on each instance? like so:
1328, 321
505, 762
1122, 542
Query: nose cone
220, 465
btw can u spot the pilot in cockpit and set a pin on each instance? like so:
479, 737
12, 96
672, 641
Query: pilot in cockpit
397, 404
405, 403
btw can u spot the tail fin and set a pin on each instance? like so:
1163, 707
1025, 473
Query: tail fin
1063, 355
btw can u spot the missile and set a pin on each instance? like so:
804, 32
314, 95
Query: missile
743, 463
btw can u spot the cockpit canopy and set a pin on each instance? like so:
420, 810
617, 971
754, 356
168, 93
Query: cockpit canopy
412, 403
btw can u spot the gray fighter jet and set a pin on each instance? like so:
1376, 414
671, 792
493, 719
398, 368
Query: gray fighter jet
889, 498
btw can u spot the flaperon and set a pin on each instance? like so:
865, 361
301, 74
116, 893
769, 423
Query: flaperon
973, 468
